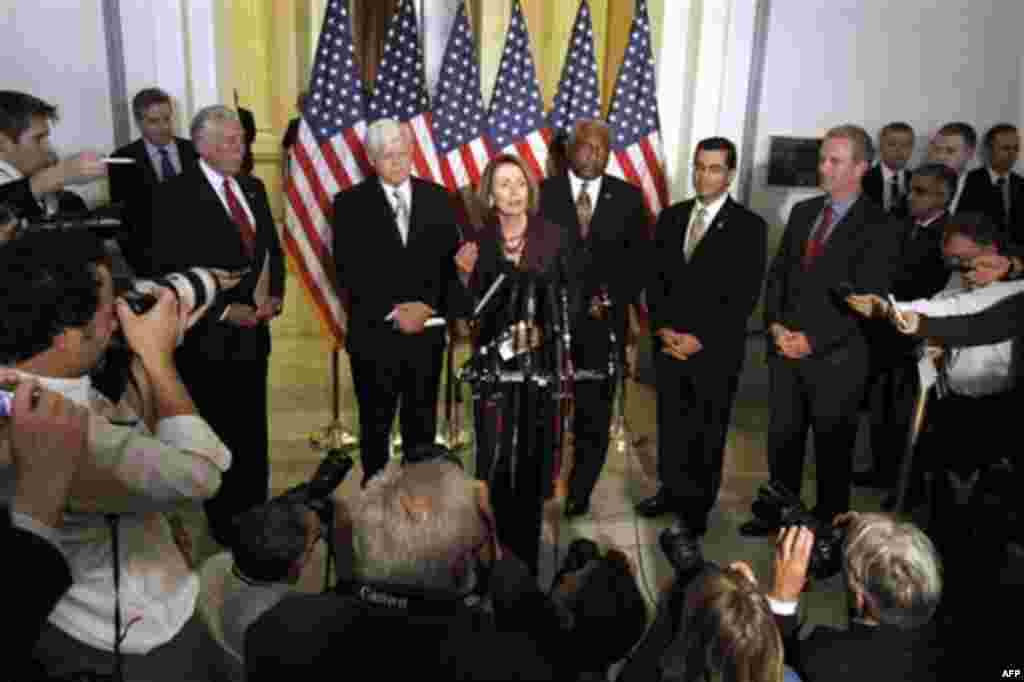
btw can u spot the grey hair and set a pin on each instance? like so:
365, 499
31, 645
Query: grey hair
896, 567
382, 133
203, 117
424, 548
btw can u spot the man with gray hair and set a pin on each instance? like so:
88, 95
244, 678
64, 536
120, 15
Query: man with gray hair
423, 554
894, 580
215, 217
394, 245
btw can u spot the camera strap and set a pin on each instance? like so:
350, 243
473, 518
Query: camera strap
414, 601
113, 521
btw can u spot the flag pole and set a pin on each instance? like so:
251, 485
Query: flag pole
335, 436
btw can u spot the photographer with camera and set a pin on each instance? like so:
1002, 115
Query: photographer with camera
894, 581
424, 556
710, 621
131, 606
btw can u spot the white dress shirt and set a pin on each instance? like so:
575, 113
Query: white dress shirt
710, 213
593, 188
979, 370
405, 191
153, 152
217, 182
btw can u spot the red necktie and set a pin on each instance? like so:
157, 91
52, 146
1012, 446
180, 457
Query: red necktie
240, 217
816, 243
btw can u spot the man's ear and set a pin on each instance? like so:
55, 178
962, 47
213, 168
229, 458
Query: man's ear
6, 144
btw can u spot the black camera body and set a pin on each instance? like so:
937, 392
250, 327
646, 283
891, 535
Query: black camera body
316, 492
776, 505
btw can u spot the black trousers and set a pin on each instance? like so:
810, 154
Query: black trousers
592, 415
694, 407
401, 373
231, 395
823, 393
891, 394
514, 454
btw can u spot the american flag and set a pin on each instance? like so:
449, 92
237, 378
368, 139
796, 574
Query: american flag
577, 95
637, 154
328, 157
459, 109
515, 120
400, 91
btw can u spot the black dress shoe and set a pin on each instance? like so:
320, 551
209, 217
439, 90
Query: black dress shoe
660, 503
681, 547
574, 508
758, 528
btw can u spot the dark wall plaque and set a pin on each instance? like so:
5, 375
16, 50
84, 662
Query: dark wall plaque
793, 161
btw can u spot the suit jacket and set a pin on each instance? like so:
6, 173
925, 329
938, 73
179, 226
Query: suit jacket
862, 250
37, 576
191, 227
922, 272
378, 271
134, 184
18, 195
863, 652
982, 196
874, 187
613, 252
441, 638
713, 294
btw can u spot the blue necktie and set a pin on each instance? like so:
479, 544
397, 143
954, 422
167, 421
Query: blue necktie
166, 167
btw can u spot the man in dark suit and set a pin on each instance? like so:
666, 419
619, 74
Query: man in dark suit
607, 226
888, 182
158, 155
213, 218
996, 190
818, 353
394, 247
922, 273
708, 267
32, 179
954, 146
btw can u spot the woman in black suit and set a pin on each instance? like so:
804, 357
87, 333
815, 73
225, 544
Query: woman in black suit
515, 420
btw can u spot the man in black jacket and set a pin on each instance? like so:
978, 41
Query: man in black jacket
894, 578
709, 261
394, 248
888, 182
606, 222
421, 541
157, 156
214, 217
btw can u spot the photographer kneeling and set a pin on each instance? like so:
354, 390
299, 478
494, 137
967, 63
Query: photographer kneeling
894, 580
424, 561
131, 607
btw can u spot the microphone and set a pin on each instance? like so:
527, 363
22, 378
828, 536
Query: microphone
531, 316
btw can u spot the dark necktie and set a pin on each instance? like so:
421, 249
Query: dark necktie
816, 242
894, 193
241, 219
584, 211
1004, 199
166, 167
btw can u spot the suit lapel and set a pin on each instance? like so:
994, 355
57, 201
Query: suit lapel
146, 164
717, 225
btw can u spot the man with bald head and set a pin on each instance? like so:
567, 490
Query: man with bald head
607, 226
214, 217
394, 246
